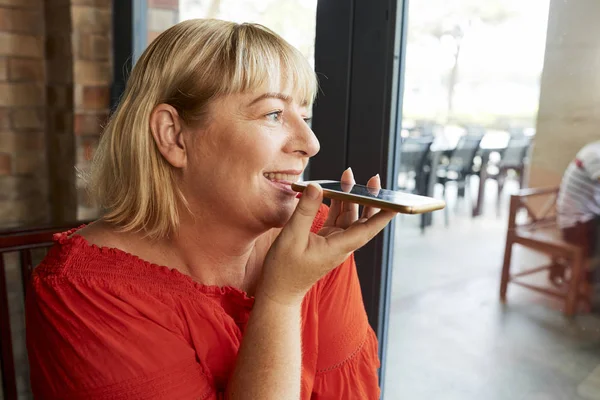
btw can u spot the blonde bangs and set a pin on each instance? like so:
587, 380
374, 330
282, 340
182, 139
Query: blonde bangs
263, 63
187, 66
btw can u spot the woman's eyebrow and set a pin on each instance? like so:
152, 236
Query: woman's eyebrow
271, 95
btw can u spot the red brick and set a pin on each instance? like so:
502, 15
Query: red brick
27, 119
4, 118
92, 73
21, 69
168, 4
96, 3
3, 69
24, 21
5, 164
12, 44
91, 47
13, 142
96, 97
101, 47
14, 188
29, 163
21, 3
90, 19
21, 94
89, 124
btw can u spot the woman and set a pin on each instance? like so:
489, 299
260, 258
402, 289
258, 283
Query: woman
193, 172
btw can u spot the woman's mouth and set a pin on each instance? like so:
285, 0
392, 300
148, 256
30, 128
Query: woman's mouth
281, 177
283, 181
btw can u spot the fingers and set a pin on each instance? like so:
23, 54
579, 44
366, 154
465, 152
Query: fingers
361, 232
349, 211
302, 219
374, 185
348, 176
334, 211
335, 208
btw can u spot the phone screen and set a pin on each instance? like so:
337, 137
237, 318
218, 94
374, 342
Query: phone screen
391, 196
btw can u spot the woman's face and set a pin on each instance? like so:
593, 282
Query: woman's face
242, 161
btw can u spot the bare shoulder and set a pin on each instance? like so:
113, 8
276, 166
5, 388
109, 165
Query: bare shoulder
102, 234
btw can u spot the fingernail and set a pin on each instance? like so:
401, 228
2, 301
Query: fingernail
312, 191
378, 177
351, 173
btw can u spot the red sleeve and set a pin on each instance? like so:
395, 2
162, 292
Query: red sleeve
348, 349
93, 340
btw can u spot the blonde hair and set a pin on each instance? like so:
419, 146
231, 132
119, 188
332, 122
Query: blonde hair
187, 67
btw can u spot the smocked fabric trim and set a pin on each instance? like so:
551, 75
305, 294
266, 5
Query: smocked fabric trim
69, 240
348, 359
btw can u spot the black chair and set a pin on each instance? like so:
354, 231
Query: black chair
413, 169
460, 166
26, 243
514, 158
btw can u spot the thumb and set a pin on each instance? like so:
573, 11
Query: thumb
301, 220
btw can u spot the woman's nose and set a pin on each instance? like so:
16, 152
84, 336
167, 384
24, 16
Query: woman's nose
305, 141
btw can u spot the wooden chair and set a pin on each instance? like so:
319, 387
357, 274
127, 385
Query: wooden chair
23, 242
541, 233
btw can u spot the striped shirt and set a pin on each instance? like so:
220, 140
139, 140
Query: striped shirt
579, 196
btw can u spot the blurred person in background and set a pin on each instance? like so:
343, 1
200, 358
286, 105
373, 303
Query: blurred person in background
578, 208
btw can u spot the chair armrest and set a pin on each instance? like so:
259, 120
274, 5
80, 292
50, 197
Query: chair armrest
529, 192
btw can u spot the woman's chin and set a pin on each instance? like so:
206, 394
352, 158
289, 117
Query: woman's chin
281, 215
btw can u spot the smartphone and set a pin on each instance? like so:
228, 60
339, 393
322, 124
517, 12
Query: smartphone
405, 203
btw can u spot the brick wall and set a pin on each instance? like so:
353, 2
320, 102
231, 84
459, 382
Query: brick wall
55, 78
23, 161
92, 53
23, 192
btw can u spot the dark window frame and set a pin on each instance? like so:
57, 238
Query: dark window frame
359, 56
129, 32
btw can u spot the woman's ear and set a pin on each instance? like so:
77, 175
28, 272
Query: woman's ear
167, 131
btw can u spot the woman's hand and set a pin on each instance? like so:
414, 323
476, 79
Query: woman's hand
343, 214
298, 258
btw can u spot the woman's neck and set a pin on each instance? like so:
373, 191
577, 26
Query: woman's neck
215, 254
209, 253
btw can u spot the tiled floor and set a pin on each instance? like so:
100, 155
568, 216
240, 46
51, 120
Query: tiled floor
451, 339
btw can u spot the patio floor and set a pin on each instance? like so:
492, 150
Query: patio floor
451, 339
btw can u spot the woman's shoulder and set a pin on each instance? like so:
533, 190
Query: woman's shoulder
83, 251
93, 254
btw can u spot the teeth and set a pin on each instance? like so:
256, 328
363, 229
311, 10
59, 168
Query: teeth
281, 177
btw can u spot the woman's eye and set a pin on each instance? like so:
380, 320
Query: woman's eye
308, 120
275, 116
